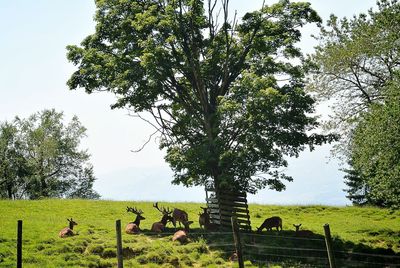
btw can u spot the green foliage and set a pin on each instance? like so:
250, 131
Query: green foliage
356, 58
359, 229
357, 65
358, 190
376, 149
13, 165
227, 98
40, 157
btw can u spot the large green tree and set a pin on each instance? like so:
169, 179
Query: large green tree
226, 95
13, 166
353, 62
41, 157
356, 66
376, 149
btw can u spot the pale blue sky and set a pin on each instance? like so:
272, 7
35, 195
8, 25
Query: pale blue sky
33, 75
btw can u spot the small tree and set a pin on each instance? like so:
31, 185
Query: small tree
358, 190
226, 96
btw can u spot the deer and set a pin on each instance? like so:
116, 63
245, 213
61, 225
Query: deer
181, 235
180, 216
133, 227
159, 226
303, 233
205, 221
204, 217
269, 223
68, 231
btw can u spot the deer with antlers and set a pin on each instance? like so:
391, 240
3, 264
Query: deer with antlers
68, 231
159, 226
133, 227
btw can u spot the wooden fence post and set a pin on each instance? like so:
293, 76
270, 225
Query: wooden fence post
19, 244
329, 248
119, 244
238, 244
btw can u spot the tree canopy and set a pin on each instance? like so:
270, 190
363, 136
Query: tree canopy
353, 62
357, 66
226, 94
40, 157
376, 149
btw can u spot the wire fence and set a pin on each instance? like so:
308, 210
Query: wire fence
267, 250
282, 248
287, 250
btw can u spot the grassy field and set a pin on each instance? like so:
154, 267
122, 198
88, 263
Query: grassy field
369, 230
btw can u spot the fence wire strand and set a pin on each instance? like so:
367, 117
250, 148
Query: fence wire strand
367, 254
272, 247
283, 237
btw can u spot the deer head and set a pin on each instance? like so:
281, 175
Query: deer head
72, 223
166, 214
138, 214
297, 227
303, 233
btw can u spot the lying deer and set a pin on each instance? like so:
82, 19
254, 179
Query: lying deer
68, 231
159, 226
133, 227
181, 235
302, 233
269, 223
180, 216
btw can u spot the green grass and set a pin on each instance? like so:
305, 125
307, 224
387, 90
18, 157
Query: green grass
368, 230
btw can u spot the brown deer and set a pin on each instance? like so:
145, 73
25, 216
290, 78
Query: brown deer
180, 216
269, 223
303, 233
205, 220
159, 226
233, 257
68, 231
204, 217
181, 235
133, 227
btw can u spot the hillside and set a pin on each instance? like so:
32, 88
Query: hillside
368, 230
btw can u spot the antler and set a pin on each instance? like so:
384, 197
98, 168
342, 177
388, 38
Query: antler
134, 210
156, 206
163, 211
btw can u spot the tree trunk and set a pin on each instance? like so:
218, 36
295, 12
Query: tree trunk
43, 185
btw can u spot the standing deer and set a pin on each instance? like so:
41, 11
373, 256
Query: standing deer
269, 223
181, 235
302, 233
204, 217
205, 220
180, 216
159, 226
68, 231
133, 227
